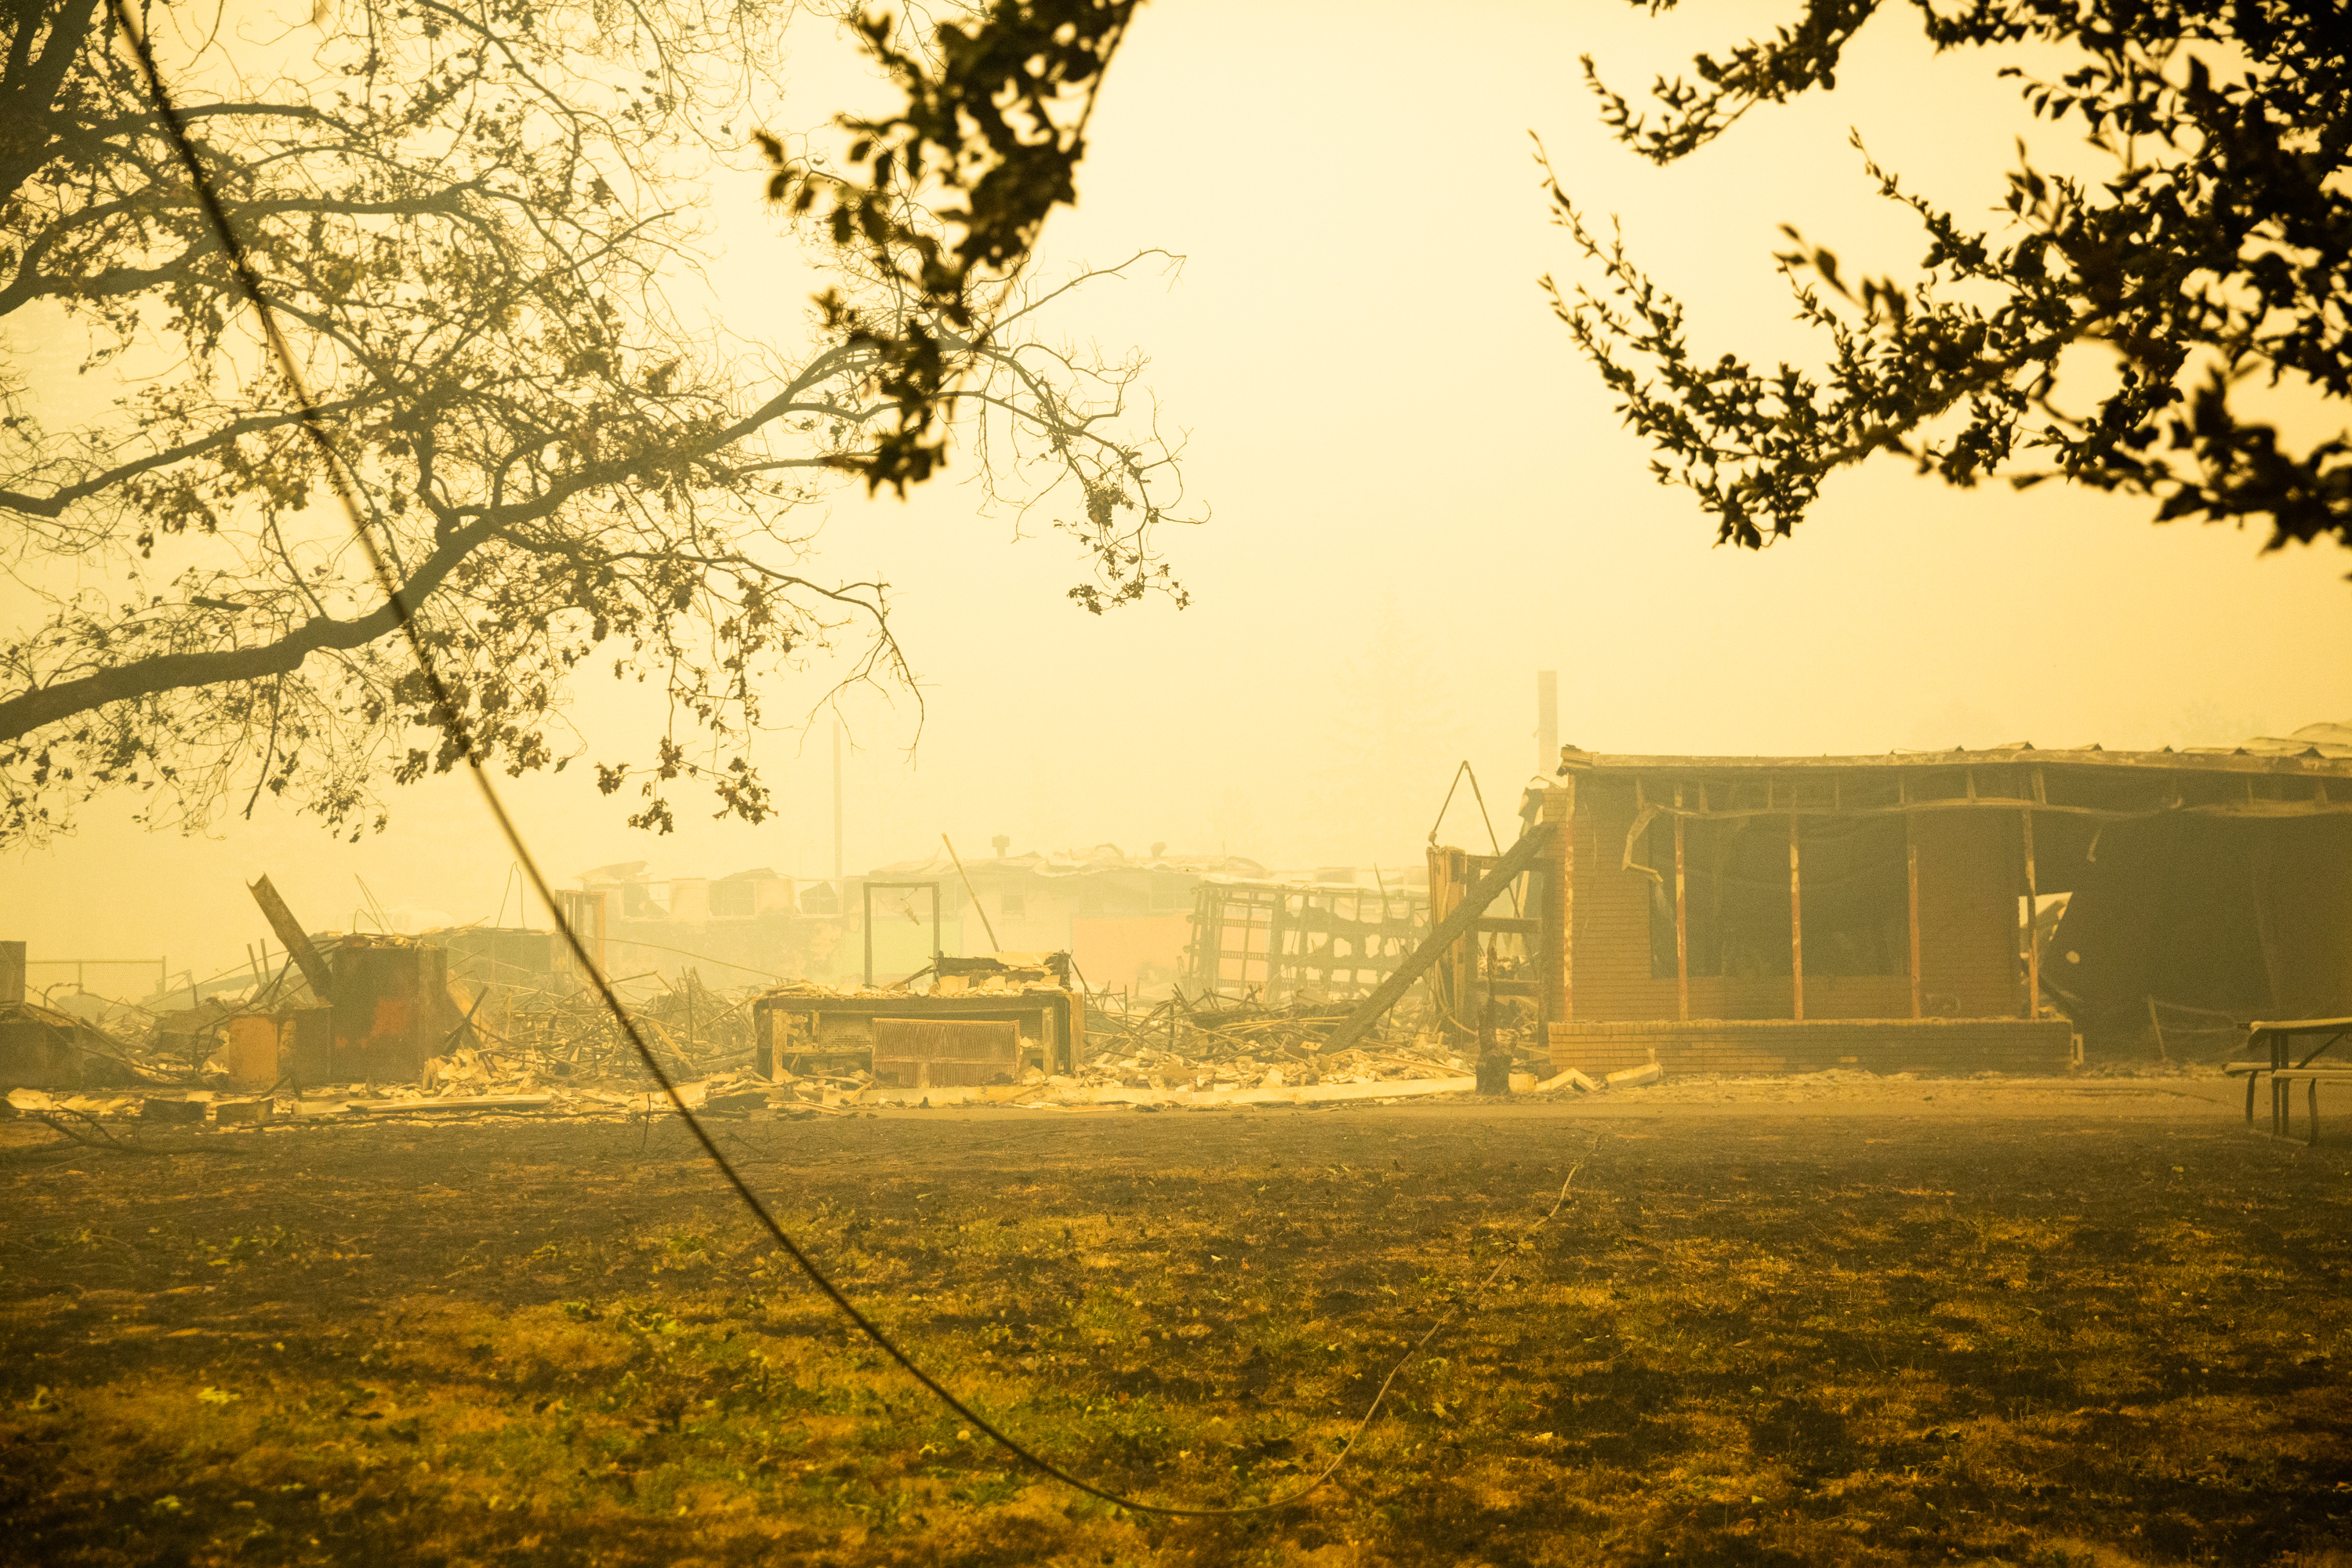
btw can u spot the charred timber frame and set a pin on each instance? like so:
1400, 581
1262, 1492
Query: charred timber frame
295, 940
1457, 924
1312, 913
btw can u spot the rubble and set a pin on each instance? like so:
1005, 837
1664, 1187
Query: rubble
527, 1053
393, 1034
41, 1045
1217, 1042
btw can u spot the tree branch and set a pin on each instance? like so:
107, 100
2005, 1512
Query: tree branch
31, 710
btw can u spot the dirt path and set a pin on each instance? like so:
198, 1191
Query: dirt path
1807, 1321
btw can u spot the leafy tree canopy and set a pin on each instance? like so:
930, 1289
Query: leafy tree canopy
2217, 253
474, 219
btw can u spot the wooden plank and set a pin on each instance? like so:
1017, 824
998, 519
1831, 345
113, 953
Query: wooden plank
1449, 982
1208, 936
1275, 911
1448, 931
289, 932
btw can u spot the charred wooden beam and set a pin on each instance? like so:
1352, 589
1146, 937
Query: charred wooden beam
1449, 930
289, 932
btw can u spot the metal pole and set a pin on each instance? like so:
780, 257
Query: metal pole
1911, 869
1682, 926
993, 945
837, 900
2033, 933
1796, 927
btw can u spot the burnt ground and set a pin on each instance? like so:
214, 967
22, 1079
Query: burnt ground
1889, 1322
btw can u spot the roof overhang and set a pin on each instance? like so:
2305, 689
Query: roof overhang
2305, 764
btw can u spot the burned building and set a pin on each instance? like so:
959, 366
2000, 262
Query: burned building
1787, 913
47, 1046
1126, 920
1279, 941
984, 1022
750, 925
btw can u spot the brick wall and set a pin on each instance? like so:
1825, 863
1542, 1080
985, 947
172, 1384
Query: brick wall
1947, 1046
1609, 949
1971, 874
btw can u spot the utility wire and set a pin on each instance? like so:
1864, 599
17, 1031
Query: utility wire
313, 426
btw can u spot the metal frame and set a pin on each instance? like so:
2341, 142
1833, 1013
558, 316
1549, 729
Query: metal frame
867, 928
2284, 1071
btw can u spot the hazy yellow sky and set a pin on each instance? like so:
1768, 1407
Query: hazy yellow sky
1389, 427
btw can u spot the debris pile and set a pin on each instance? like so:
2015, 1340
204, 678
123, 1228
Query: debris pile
1215, 1042
365, 1025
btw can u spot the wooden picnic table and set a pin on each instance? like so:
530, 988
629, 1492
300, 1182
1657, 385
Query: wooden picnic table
2272, 1046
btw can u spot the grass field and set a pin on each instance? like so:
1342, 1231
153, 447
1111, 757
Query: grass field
2049, 1328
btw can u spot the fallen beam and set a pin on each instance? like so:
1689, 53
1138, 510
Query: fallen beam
289, 933
1450, 930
